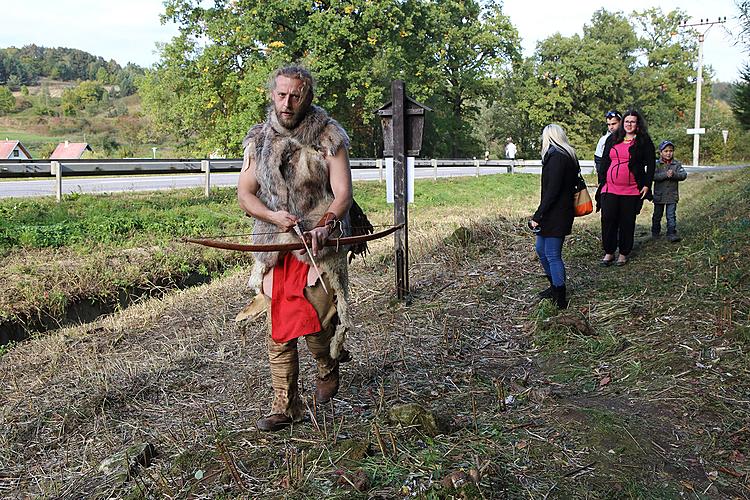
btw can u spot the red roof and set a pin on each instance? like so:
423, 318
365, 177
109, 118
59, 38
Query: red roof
69, 150
7, 147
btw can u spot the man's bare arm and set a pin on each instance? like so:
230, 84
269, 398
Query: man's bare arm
340, 178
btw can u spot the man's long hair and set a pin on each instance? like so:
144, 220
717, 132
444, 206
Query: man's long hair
297, 72
554, 135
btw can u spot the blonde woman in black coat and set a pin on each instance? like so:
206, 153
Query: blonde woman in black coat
553, 219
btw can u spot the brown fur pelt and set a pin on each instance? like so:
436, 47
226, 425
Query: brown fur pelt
292, 173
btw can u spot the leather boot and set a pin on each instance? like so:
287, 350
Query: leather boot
327, 387
548, 292
561, 301
274, 423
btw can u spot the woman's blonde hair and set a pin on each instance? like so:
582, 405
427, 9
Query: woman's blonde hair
554, 135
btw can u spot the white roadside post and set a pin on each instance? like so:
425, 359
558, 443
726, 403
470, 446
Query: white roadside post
56, 170
434, 169
206, 167
476, 165
697, 131
379, 164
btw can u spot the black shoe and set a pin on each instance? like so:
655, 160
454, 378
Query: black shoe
560, 299
655, 236
344, 356
673, 238
547, 293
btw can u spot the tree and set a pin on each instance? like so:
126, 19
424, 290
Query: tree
741, 98
209, 94
86, 95
664, 87
7, 101
468, 44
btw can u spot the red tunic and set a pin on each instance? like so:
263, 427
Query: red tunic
292, 315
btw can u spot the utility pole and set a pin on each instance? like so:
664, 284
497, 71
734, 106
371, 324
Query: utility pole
696, 131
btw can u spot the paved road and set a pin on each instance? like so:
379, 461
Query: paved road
46, 187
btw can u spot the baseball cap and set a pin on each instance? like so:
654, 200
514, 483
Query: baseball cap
664, 144
613, 114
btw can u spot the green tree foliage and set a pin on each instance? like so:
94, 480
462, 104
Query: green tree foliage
210, 84
664, 87
7, 101
467, 44
620, 62
741, 98
86, 95
31, 62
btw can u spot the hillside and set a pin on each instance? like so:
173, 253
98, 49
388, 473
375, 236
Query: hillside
638, 391
113, 126
59, 94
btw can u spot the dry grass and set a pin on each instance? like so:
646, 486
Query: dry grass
642, 409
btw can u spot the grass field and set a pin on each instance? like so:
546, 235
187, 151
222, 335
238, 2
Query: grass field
95, 248
29, 137
639, 390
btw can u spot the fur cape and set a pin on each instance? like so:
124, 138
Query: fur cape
292, 174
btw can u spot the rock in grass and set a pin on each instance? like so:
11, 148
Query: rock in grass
414, 414
124, 464
354, 449
461, 237
353, 480
462, 483
573, 319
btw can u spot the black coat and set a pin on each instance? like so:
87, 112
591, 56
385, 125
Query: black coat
642, 163
559, 176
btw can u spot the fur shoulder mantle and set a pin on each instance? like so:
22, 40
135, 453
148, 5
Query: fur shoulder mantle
316, 130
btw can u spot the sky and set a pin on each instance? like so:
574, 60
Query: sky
128, 30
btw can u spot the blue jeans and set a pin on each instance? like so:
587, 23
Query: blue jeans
549, 250
671, 218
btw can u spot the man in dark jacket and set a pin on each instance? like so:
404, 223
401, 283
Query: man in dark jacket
669, 172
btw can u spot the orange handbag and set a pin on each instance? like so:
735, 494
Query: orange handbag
582, 204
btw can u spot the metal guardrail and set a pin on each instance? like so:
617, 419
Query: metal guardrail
40, 168
125, 167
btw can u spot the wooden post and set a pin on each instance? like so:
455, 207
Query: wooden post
379, 164
56, 170
400, 198
206, 167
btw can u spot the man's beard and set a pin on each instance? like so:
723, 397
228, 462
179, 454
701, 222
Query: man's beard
294, 120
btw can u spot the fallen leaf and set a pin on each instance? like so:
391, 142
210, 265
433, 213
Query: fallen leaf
605, 381
521, 444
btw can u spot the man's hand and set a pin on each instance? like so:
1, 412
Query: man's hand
644, 191
318, 237
283, 220
670, 172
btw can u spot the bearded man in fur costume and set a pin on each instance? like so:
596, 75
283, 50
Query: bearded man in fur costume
296, 173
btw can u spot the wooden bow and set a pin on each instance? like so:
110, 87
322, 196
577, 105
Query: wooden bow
288, 247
